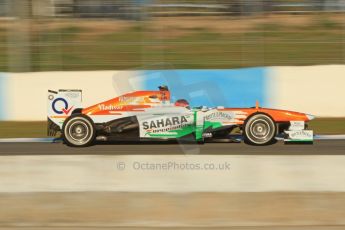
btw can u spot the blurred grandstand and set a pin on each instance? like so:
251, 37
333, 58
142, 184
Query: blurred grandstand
39, 35
119, 8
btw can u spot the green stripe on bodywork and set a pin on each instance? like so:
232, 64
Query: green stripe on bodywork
189, 129
177, 133
307, 140
213, 125
199, 129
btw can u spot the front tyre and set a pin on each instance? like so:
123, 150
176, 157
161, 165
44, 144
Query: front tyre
78, 131
260, 129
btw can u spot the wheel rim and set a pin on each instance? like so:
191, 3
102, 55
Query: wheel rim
78, 131
260, 131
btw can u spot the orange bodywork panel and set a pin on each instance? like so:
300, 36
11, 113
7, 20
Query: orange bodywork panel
136, 101
276, 114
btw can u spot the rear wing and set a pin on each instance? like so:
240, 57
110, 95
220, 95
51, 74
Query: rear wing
60, 105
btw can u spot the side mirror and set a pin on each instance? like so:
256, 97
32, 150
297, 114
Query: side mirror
204, 109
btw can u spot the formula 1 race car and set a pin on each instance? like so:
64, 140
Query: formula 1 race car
150, 115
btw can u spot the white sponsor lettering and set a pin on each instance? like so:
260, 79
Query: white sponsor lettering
109, 107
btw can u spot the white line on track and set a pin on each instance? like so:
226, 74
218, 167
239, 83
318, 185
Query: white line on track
329, 137
28, 140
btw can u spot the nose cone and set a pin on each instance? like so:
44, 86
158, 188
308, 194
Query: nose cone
310, 117
286, 115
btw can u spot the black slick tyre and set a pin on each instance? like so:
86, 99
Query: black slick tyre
259, 129
78, 131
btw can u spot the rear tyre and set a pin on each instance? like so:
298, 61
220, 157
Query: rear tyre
260, 129
78, 131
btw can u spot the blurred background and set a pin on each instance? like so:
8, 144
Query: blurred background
39, 181
54, 35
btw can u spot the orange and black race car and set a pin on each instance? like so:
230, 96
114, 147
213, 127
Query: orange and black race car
151, 115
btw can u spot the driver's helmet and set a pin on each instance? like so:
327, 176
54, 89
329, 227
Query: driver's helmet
182, 103
163, 88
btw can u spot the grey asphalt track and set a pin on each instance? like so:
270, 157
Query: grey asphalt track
322, 147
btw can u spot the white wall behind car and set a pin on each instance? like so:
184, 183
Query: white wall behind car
317, 90
26, 94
